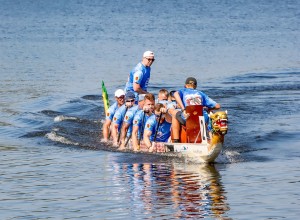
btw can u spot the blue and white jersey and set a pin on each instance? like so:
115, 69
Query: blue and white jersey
129, 118
119, 115
164, 129
195, 97
140, 75
138, 120
111, 111
122, 116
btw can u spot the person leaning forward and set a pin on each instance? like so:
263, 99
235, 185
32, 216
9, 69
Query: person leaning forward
139, 76
140, 119
120, 115
157, 127
120, 97
187, 96
126, 129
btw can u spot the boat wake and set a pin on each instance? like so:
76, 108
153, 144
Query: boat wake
251, 134
63, 118
53, 136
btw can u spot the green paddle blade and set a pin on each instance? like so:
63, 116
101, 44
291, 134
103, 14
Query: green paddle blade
105, 97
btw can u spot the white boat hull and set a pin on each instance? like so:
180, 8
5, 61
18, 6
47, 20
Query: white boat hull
197, 152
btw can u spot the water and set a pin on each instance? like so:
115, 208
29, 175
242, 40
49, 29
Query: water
53, 57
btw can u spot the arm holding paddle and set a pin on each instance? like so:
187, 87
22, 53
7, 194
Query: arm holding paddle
180, 104
125, 126
146, 138
152, 126
110, 112
114, 134
123, 134
117, 124
135, 130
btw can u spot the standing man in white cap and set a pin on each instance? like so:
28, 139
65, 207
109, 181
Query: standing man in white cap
140, 75
120, 99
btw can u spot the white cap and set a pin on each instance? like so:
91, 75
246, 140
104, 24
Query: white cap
119, 92
148, 53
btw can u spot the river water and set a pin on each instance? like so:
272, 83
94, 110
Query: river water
54, 55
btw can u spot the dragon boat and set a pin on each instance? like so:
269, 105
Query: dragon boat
194, 144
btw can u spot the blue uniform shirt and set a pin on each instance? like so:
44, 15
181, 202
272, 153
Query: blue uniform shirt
140, 75
122, 115
129, 118
196, 97
111, 111
139, 118
119, 115
164, 129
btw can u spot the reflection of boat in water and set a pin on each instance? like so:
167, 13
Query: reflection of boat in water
179, 189
194, 144
199, 191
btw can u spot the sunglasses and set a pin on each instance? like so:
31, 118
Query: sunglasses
150, 59
130, 100
121, 97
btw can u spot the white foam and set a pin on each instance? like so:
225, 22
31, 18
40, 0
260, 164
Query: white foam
62, 118
227, 156
54, 137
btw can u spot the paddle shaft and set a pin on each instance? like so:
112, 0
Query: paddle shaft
127, 140
157, 126
142, 131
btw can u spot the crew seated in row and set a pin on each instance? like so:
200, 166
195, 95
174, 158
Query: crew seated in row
131, 120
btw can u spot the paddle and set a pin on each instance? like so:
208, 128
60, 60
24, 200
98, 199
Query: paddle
105, 97
157, 126
142, 131
127, 140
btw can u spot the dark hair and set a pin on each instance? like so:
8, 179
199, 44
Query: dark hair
191, 80
172, 93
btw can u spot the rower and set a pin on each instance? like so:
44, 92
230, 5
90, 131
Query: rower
120, 115
189, 96
140, 118
120, 98
157, 128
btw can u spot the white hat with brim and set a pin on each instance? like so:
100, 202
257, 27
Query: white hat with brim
119, 93
148, 53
